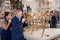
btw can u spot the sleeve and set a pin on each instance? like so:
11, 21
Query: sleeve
13, 23
3, 21
25, 24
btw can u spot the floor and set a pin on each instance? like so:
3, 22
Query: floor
58, 26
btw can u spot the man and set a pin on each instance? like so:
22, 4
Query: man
53, 23
17, 26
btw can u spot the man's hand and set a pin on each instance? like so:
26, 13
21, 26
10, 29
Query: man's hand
23, 20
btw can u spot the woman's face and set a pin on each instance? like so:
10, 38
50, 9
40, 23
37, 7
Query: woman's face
9, 16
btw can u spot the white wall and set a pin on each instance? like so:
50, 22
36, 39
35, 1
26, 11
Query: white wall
54, 4
6, 6
35, 6
32, 4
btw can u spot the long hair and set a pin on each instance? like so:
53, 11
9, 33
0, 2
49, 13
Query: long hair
6, 14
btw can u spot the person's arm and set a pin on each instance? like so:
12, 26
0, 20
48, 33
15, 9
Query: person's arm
25, 24
23, 20
13, 23
5, 26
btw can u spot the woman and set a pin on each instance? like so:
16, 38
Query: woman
6, 32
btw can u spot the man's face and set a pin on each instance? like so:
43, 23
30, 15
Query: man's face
19, 14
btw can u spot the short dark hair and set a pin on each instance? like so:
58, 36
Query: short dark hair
19, 10
51, 11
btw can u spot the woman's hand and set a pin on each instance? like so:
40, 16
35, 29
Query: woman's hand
9, 21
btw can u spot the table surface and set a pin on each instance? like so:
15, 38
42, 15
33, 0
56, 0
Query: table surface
49, 34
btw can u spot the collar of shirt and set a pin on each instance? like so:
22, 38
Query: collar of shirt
20, 19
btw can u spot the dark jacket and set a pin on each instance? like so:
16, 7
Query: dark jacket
17, 29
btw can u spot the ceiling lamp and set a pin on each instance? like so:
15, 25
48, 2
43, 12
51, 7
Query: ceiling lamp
29, 0
50, 0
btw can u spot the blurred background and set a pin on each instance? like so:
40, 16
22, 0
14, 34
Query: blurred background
30, 6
